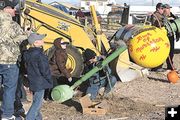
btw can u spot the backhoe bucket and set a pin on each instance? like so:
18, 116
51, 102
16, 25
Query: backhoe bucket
126, 70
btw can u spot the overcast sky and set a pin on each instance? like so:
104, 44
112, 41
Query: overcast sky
131, 2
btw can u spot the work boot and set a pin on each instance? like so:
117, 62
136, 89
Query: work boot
20, 113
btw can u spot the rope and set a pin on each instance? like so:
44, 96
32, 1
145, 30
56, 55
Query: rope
173, 68
157, 20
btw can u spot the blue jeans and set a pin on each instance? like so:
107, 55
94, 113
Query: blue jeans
95, 86
9, 75
19, 94
34, 111
18, 106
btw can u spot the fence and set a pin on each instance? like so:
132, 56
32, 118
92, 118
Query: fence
107, 23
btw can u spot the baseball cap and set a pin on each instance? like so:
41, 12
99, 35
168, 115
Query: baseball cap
35, 36
159, 5
5, 3
167, 6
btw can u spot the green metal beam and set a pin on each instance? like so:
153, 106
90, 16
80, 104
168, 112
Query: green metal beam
100, 66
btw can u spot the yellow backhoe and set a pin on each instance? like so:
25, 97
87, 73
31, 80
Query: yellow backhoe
45, 19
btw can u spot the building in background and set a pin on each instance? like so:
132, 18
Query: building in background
65, 6
102, 6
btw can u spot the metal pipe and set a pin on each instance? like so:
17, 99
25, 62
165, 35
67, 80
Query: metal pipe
100, 66
94, 17
97, 27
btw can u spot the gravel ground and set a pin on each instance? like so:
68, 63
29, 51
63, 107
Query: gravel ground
141, 99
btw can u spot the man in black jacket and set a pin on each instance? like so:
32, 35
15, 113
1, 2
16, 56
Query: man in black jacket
38, 73
172, 37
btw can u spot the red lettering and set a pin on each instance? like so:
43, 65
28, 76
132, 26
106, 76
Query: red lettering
149, 34
143, 57
139, 38
139, 49
167, 45
130, 48
155, 49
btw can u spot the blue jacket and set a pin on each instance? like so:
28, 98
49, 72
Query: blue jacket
38, 70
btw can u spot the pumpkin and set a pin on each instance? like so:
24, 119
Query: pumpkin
173, 76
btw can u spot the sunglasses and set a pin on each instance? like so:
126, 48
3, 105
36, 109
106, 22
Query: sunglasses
64, 43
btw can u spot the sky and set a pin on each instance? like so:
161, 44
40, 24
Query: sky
131, 2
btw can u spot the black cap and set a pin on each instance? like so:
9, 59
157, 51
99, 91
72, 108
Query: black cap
89, 54
159, 5
167, 6
5, 3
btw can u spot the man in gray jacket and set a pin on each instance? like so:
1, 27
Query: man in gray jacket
10, 38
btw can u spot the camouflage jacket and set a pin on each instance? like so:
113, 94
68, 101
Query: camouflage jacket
11, 36
157, 19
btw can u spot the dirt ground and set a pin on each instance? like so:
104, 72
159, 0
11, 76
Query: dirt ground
141, 99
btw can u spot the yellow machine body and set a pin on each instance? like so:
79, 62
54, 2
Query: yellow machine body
45, 19
56, 24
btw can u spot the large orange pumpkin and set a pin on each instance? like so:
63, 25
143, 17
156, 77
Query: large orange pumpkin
173, 76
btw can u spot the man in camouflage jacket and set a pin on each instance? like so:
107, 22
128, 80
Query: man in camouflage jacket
10, 38
157, 17
157, 20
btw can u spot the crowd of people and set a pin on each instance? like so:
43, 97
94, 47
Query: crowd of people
36, 66
11, 37
43, 73
17, 62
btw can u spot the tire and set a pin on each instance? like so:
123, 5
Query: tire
74, 62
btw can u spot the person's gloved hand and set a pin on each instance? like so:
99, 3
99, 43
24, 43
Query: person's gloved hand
70, 79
